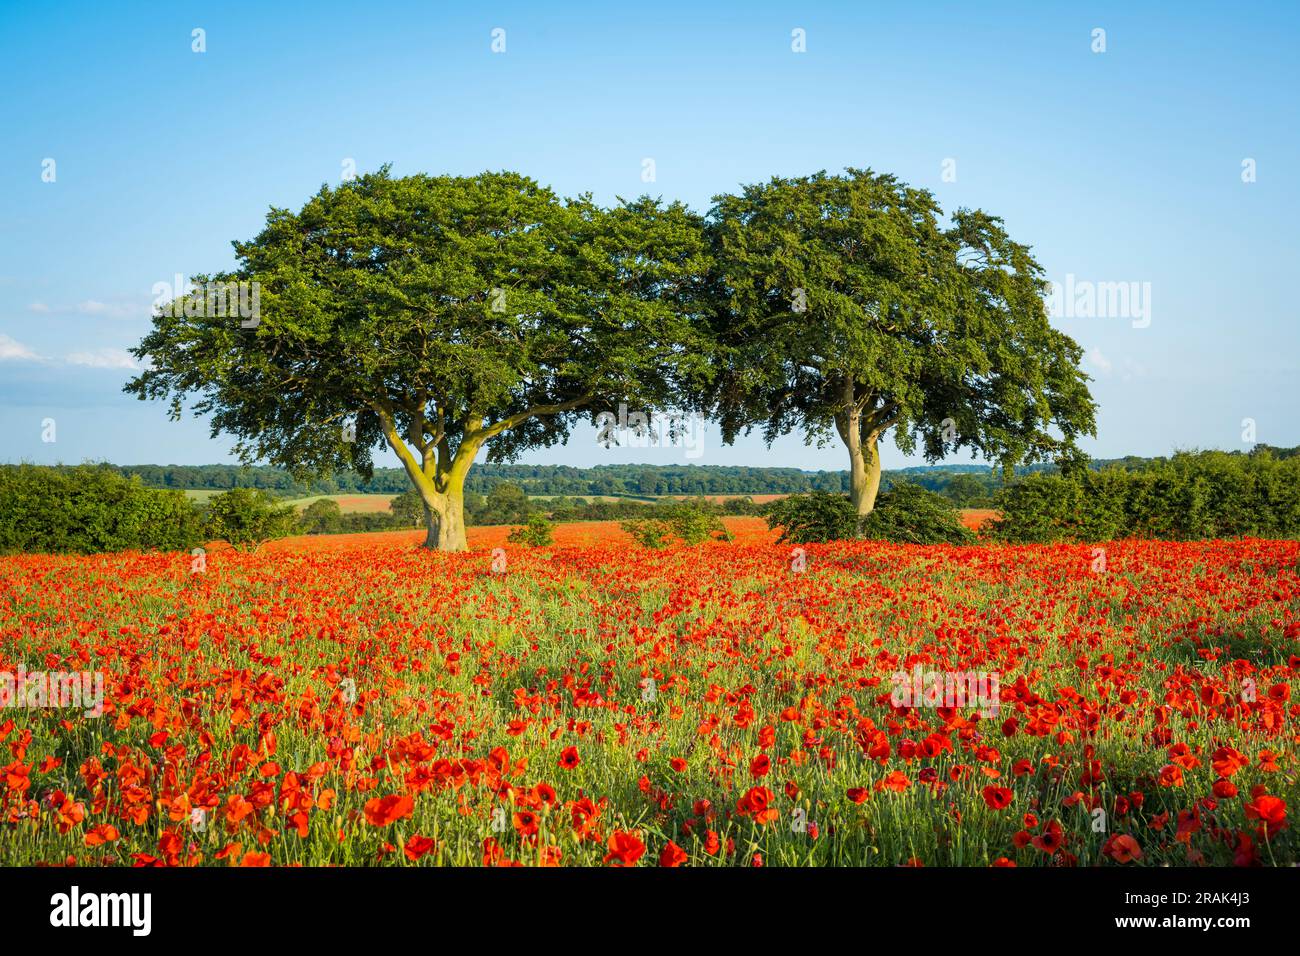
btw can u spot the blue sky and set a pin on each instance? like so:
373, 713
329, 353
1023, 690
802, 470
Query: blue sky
1123, 166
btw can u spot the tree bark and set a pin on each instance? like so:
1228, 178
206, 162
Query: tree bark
865, 474
444, 518
864, 455
439, 477
438, 474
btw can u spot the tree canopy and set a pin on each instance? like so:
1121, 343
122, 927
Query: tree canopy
454, 318
441, 315
844, 305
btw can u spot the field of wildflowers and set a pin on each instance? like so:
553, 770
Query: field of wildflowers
356, 700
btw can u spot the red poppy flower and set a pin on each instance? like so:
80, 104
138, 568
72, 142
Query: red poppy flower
625, 848
672, 855
417, 846
1050, 839
382, 811
1122, 848
1269, 811
998, 798
756, 803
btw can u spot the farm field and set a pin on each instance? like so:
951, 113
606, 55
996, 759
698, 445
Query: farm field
353, 699
348, 504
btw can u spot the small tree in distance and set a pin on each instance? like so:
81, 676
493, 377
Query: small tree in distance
248, 518
323, 516
408, 507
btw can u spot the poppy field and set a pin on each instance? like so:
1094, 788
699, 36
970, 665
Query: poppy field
360, 701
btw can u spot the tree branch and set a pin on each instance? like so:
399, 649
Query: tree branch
482, 434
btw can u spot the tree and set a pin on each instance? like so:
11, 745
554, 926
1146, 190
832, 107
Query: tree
408, 507
505, 504
322, 516
842, 305
248, 518
444, 316
965, 489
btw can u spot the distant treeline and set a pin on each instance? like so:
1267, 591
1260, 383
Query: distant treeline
92, 508
967, 485
612, 480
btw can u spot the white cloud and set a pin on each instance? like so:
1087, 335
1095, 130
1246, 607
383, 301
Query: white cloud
103, 358
13, 351
1100, 361
38, 307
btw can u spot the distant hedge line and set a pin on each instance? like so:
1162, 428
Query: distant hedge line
1194, 495
88, 509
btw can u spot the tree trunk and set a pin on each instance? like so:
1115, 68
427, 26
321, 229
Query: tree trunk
438, 477
865, 475
864, 462
444, 517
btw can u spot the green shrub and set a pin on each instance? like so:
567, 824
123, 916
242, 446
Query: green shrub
537, 533
323, 516
908, 514
408, 508
819, 516
691, 522
694, 522
647, 532
1191, 496
1089, 506
247, 518
87, 509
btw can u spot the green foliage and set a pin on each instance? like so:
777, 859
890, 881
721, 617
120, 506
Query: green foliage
537, 533
506, 504
908, 514
967, 491
647, 532
408, 508
843, 305
694, 522
87, 509
248, 518
441, 315
1191, 496
690, 522
321, 517
1089, 506
816, 517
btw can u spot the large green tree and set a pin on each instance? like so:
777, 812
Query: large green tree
443, 316
844, 304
